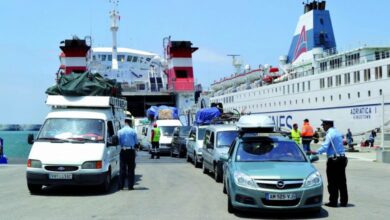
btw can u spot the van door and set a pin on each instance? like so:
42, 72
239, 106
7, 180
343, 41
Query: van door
208, 147
113, 151
191, 142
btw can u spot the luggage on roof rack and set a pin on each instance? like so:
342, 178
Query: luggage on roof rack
255, 124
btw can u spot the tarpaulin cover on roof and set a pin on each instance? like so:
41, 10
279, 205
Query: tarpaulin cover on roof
206, 115
84, 84
162, 112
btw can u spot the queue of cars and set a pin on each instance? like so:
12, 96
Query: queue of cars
258, 167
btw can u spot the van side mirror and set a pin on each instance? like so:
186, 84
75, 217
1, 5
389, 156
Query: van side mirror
30, 139
224, 158
114, 140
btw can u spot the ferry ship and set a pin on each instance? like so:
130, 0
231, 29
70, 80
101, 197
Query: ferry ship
146, 78
314, 81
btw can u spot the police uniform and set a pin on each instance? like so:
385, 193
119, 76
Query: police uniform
335, 166
128, 141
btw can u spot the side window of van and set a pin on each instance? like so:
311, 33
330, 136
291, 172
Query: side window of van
212, 140
192, 134
117, 126
110, 129
206, 138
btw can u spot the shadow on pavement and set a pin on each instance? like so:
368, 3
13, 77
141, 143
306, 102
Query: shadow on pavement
282, 215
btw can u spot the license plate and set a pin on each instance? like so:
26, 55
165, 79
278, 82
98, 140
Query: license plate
281, 196
60, 176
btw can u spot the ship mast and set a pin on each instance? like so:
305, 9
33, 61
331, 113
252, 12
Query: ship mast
114, 15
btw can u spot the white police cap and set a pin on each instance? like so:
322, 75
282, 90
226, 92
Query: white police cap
327, 120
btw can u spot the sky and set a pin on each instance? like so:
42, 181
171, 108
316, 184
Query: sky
258, 30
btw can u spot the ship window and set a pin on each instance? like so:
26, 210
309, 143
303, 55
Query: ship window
296, 101
280, 103
308, 85
302, 101
380, 92
303, 86
322, 83
378, 72
129, 58
121, 58
323, 98
293, 88
109, 57
352, 59
297, 87
338, 80
316, 99
322, 21
148, 59
284, 102
335, 63
323, 66
290, 102
288, 86
347, 78
388, 71
358, 94
339, 96
135, 59
308, 100
104, 57
330, 82
369, 93
331, 98
94, 57
284, 90
356, 76
367, 75
349, 95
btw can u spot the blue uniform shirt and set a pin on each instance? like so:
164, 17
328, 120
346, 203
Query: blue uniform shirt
337, 140
127, 137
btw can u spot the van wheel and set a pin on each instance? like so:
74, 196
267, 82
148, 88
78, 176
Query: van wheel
106, 185
224, 187
34, 188
205, 170
217, 175
196, 163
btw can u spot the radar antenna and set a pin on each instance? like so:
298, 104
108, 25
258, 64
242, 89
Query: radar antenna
236, 63
114, 15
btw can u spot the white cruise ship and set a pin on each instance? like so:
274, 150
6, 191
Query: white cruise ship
314, 81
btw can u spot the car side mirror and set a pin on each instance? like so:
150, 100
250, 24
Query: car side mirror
191, 139
114, 140
30, 139
224, 158
313, 158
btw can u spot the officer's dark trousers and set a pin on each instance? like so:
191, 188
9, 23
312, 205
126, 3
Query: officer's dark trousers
155, 150
127, 166
337, 181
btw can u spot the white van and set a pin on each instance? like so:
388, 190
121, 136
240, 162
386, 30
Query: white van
77, 144
167, 127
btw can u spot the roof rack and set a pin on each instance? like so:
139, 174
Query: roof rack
225, 118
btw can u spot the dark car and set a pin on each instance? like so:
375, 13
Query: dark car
180, 135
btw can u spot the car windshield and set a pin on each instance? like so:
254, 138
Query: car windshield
72, 129
226, 138
201, 133
167, 130
267, 149
184, 130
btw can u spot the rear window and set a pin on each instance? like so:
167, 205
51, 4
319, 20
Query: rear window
268, 149
167, 130
226, 138
184, 130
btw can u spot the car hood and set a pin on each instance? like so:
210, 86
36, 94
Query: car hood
66, 153
276, 170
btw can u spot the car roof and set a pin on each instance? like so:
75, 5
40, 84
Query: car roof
274, 136
222, 127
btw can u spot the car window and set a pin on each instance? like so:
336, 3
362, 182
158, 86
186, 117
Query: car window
267, 149
184, 130
201, 133
225, 138
167, 130
212, 140
206, 139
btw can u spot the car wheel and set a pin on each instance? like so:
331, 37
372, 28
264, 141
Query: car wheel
196, 163
231, 209
34, 188
105, 187
224, 187
217, 175
205, 170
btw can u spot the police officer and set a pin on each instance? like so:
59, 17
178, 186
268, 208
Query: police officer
336, 164
128, 141
156, 133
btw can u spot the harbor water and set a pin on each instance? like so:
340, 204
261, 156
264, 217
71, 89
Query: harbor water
16, 147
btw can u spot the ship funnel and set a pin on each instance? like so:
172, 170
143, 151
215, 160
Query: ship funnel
314, 29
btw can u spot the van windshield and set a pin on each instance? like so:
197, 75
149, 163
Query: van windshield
167, 130
201, 133
72, 129
226, 138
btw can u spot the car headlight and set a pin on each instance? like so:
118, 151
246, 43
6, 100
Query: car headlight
34, 163
313, 179
92, 165
244, 180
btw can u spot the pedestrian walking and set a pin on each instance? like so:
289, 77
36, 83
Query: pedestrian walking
296, 134
336, 164
349, 138
307, 135
156, 133
128, 142
371, 138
